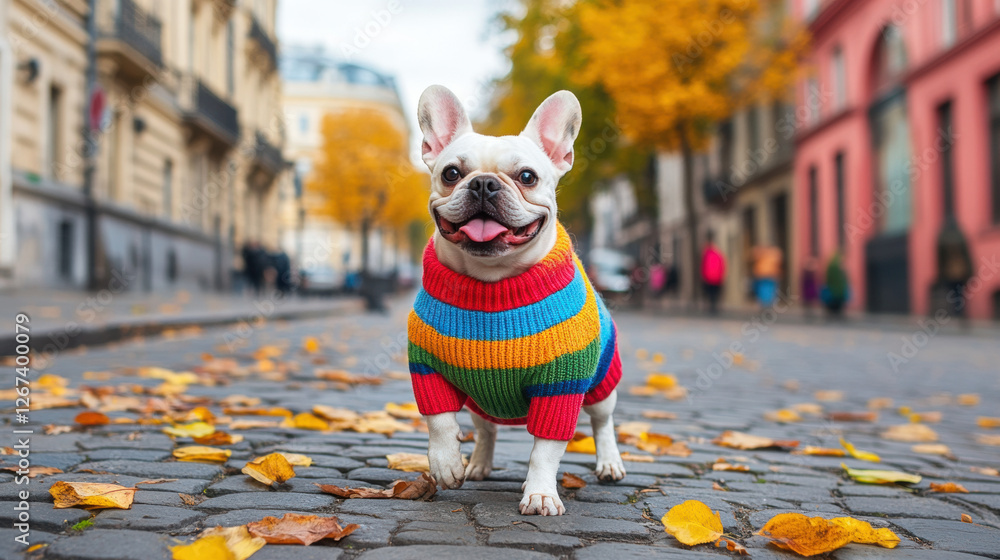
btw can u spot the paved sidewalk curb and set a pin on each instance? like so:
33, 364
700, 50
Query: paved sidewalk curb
61, 339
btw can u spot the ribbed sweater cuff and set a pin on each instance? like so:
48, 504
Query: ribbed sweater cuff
434, 395
554, 417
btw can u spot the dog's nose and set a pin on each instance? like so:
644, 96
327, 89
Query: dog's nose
485, 186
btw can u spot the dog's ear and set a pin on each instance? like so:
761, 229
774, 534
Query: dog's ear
554, 127
442, 120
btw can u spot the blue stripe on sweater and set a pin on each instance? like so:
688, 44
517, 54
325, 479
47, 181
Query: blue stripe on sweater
508, 324
422, 369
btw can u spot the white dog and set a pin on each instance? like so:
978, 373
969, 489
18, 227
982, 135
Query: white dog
507, 322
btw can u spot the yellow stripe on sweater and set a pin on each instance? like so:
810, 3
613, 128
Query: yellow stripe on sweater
572, 335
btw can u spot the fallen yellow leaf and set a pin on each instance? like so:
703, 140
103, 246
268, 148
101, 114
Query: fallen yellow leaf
784, 416
966, 518
222, 543
858, 454
692, 522
988, 471
270, 469
91, 495
409, 462
912, 433
206, 548
195, 429
310, 344
863, 533
332, 414
306, 421
932, 449
294, 459
219, 438
408, 410
723, 465
821, 451
808, 408
988, 422
740, 440
202, 454
988, 439
927, 417
581, 443
807, 536
968, 399
635, 458
870, 476
659, 415
829, 396
661, 380
295, 528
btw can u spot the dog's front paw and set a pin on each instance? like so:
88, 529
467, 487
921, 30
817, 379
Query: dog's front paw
542, 504
610, 470
446, 467
478, 469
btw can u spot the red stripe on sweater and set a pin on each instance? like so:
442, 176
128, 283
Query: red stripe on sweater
549, 276
434, 395
554, 417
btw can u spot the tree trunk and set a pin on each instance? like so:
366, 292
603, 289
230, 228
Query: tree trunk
691, 217
365, 229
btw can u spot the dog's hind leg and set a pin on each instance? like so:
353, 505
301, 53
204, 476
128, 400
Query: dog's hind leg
609, 461
481, 462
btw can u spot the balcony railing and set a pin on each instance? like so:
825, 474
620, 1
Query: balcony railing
258, 34
139, 30
211, 113
267, 155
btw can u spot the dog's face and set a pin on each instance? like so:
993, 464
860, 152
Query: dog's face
493, 199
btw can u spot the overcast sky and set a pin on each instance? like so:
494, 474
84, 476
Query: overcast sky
453, 43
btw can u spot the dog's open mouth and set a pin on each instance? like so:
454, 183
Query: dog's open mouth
483, 228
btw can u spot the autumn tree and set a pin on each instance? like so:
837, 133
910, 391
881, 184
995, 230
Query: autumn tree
365, 177
546, 57
675, 68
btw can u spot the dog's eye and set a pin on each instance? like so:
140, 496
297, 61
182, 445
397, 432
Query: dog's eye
527, 177
451, 175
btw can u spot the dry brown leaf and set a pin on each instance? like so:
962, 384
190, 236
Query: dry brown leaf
659, 415
33, 471
219, 438
911, 433
91, 418
636, 458
253, 424
948, 488
407, 410
724, 465
333, 414
342, 376
420, 488
202, 454
570, 480
829, 396
988, 439
740, 440
732, 546
719, 487
968, 399
812, 409
692, 522
295, 528
270, 469
879, 403
192, 500
966, 518
257, 411
869, 416
988, 471
91, 495
932, 449
926, 417
807, 536
409, 462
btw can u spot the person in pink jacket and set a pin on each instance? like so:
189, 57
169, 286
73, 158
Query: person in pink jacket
713, 272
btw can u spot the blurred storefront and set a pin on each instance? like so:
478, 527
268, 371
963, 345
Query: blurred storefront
184, 111
897, 160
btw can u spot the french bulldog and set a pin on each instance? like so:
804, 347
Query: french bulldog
493, 201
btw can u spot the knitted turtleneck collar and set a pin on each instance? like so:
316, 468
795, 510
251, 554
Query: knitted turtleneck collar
551, 274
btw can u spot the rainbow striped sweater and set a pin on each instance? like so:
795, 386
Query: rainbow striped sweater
531, 349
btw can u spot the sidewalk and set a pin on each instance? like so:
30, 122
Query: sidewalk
66, 319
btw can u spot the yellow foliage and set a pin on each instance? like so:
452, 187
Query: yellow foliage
692, 522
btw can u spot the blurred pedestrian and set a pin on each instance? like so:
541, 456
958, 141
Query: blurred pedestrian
283, 272
810, 285
657, 279
766, 274
713, 272
251, 266
836, 292
954, 265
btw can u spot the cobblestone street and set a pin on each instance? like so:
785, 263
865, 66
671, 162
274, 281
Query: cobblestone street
734, 373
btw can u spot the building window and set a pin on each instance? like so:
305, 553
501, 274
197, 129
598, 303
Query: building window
994, 100
303, 123
813, 97
813, 212
230, 60
65, 249
839, 78
945, 124
891, 58
996, 305
171, 266
168, 188
753, 130
838, 166
949, 22
52, 136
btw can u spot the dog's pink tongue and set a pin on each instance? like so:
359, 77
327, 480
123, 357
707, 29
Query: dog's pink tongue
480, 230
